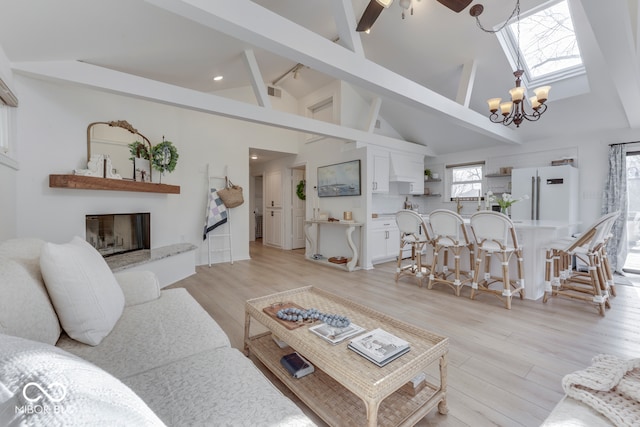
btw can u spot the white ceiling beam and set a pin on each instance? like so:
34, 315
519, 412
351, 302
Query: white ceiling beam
259, 89
374, 112
617, 46
346, 24
260, 27
120, 83
467, 79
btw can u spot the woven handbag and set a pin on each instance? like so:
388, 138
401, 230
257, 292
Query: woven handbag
231, 195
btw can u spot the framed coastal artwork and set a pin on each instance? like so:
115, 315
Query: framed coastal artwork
340, 179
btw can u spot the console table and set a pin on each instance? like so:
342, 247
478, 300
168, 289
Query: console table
314, 242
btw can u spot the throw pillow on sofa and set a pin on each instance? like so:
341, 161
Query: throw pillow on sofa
83, 290
25, 308
43, 385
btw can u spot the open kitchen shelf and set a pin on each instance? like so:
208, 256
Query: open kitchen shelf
96, 183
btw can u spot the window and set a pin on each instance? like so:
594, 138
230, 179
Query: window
632, 263
4, 128
7, 100
465, 180
548, 46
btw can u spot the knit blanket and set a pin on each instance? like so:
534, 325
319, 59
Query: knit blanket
611, 386
216, 213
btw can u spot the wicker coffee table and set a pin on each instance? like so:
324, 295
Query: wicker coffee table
347, 389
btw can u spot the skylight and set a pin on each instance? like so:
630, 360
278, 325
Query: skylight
548, 46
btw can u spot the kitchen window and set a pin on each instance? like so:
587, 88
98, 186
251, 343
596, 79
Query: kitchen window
465, 180
7, 100
4, 128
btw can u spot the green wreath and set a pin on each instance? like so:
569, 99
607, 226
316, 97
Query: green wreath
137, 148
300, 190
164, 157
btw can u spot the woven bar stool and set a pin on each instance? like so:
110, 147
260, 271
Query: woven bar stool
449, 236
495, 236
606, 266
594, 285
413, 234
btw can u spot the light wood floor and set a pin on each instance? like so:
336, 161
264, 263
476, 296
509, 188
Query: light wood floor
505, 366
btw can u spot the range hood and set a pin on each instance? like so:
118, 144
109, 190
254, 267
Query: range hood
405, 168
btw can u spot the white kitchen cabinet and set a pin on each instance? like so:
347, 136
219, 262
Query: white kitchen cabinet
408, 172
416, 187
385, 241
380, 180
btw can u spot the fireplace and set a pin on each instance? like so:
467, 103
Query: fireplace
114, 234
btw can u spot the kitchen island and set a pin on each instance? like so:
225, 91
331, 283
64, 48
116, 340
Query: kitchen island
533, 236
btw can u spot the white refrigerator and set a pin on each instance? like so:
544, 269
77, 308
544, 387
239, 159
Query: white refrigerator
552, 191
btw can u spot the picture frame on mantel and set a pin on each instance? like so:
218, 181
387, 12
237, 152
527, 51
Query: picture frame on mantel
141, 169
340, 179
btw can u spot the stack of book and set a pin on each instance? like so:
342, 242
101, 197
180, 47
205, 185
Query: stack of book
335, 335
379, 346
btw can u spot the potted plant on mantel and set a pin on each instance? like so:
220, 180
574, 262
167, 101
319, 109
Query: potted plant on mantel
140, 154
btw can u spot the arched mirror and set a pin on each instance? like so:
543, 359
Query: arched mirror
114, 139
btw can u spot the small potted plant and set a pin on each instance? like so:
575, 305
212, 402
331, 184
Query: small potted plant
505, 201
427, 174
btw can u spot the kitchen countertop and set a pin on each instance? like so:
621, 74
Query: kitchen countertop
392, 215
524, 224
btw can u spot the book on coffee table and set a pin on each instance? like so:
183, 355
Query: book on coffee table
297, 365
335, 335
379, 346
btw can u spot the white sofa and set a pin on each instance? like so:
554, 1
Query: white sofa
165, 360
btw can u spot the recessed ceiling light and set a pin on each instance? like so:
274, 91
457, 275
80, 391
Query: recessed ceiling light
217, 78
254, 157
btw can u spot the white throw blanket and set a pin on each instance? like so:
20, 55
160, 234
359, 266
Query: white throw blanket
611, 386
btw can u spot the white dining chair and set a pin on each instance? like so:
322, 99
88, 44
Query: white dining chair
495, 236
414, 235
594, 285
449, 236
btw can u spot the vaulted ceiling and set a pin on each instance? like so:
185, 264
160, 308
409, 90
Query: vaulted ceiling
416, 66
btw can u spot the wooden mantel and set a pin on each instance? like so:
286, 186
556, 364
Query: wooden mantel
96, 183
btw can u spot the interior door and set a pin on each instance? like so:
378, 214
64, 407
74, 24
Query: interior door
298, 213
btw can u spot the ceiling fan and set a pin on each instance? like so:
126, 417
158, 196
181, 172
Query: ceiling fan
375, 7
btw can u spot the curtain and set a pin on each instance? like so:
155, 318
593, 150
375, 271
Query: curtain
615, 199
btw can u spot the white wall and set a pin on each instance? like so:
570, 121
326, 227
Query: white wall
590, 152
8, 215
52, 124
